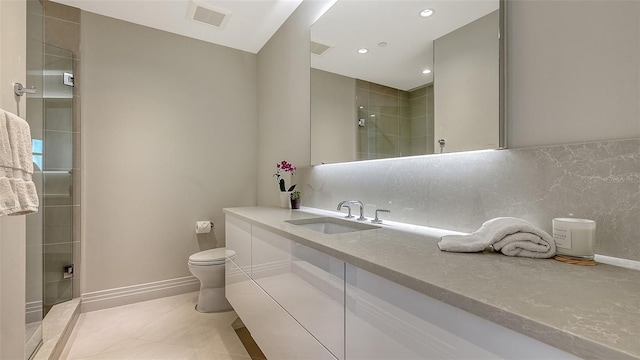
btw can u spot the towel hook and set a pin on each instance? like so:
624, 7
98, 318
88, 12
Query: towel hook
20, 90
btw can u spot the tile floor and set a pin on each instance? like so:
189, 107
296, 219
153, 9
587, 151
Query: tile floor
166, 328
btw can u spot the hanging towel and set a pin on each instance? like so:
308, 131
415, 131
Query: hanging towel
511, 236
18, 194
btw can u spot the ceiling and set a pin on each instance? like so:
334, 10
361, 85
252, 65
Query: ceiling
347, 26
250, 25
350, 25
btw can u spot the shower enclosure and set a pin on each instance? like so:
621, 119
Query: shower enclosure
35, 118
56, 161
50, 235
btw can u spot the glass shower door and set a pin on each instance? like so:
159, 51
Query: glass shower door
49, 237
58, 178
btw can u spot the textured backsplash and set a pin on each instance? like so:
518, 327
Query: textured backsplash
598, 181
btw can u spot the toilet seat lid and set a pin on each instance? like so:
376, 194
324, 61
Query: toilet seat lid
211, 257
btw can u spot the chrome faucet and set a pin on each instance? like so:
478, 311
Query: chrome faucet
345, 203
359, 203
376, 220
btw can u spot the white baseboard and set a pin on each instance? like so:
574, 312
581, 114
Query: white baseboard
104, 299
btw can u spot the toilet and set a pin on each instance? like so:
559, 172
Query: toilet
208, 267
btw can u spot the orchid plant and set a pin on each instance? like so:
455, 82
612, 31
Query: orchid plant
286, 167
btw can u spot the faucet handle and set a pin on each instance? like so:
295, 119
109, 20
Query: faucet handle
348, 216
376, 220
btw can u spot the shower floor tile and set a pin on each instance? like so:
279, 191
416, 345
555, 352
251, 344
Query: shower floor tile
166, 328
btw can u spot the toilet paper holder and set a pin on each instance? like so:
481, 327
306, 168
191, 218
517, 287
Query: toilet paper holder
204, 227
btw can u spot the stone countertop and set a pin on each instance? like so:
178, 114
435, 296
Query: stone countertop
590, 311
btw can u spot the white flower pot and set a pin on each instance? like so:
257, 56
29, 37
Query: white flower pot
285, 200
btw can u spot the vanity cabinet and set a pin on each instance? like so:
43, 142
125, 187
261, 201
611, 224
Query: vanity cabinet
238, 239
385, 320
276, 332
289, 296
307, 283
300, 303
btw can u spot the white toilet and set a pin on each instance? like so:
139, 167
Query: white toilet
208, 267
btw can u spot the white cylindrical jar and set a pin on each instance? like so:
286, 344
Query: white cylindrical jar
574, 237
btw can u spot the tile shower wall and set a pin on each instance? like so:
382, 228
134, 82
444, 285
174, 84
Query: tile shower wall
62, 154
421, 115
598, 180
396, 122
387, 121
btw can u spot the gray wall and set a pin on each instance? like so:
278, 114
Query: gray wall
283, 99
13, 49
169, 138
555, 97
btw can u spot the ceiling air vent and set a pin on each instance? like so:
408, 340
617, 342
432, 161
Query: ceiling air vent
319, 48
207, 14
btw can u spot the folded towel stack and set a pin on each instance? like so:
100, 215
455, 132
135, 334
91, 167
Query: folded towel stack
511, 236
18, 194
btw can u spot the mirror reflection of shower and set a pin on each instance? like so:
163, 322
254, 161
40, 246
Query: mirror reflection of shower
393, 122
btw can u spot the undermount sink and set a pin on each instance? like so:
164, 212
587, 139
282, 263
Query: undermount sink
329, 225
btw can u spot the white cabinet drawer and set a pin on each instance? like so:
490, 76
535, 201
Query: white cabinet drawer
385, 320
238, 239
277, 334
307, 283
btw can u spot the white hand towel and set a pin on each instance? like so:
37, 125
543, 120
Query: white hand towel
6, 154
18, 136
511, 236
18, 194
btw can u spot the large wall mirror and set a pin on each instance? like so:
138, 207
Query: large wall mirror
393, 78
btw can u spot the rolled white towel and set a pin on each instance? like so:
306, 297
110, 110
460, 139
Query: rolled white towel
511, 236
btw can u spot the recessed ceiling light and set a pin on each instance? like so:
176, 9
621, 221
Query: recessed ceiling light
426, 13
382, 44
426, 71
363, 51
